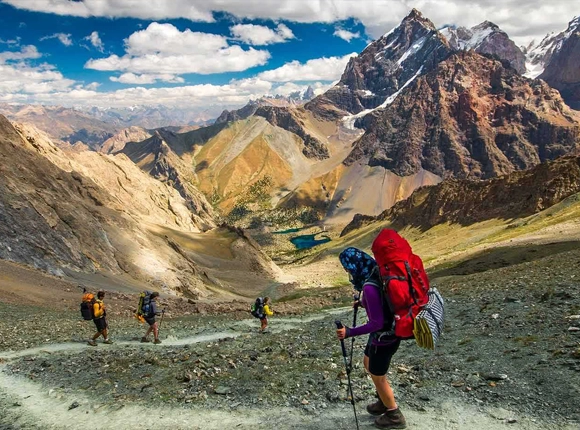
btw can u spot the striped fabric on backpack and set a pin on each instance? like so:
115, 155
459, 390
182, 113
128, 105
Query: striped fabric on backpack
428, 324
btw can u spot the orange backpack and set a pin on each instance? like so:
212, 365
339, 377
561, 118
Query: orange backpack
87, 306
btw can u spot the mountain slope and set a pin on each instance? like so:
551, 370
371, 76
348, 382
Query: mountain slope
469, 118
93, 213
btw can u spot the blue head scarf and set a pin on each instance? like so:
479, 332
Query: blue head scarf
359, 264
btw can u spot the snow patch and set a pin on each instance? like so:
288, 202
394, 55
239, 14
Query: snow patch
392, 97
349, 120
412, 50
533, 70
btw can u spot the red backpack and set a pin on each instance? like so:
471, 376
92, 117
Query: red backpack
404, 279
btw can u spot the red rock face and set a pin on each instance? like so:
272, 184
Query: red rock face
469, 118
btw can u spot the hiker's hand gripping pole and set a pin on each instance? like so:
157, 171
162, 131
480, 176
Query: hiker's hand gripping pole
340, 326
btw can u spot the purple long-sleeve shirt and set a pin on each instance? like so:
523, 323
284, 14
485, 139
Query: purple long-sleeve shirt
372, 302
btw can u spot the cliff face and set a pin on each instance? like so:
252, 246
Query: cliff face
516, 195
469, 118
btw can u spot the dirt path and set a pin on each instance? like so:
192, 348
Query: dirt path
25, 404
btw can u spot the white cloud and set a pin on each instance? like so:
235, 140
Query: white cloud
235, 93
318, 69
96, 41
522, 20
163, 49
144, 79
261, 35
15, 79
345, 34
28, 52
62, 37
10, 42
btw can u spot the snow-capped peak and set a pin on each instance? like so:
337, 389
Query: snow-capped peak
540, 55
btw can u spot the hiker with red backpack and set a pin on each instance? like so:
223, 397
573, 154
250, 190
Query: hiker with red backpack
382, 343
399, 304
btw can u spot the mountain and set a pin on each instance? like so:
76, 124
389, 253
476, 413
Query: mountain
94, 213
559, 56
383, 68
295, 99
151, 117
465, 202
487, 38
95, 126
469, 118
412, 109
64, 124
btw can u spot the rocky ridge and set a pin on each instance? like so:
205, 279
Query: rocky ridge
466, 202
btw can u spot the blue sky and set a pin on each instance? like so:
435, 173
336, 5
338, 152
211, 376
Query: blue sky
125, 52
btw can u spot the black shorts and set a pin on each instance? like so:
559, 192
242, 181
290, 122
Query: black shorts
151, 320
100, 323
380, 356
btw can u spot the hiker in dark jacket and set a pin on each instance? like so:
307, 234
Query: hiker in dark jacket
150, 319
382, 344
100, 320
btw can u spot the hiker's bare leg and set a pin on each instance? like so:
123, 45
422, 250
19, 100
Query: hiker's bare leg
385, 391
97, 334
264, 324
155, 329
366, 363
105, 333
149, 330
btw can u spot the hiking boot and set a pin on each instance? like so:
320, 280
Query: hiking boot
391, 420
108, 341
377, 408
144, 340
92, 343
156, 341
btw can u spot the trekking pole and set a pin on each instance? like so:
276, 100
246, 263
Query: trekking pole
356, 299
339, 326
161, 320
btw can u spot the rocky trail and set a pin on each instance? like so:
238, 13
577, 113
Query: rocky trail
228, 376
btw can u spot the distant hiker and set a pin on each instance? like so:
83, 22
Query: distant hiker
100, 320
149, 313
261, 309
382, 343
